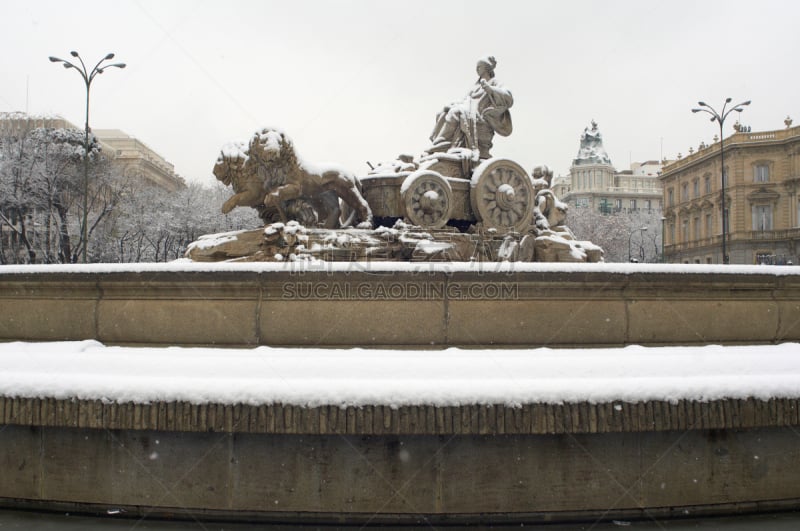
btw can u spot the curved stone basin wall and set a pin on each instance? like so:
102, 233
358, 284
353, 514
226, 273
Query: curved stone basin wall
424, 305
413, 465
416, 465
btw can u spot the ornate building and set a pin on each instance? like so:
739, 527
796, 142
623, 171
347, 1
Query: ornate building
138, 160
132, 156
594, 183
762, 172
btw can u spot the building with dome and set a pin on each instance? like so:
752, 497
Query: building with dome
593, 182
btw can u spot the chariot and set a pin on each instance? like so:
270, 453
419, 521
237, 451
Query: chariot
453, 189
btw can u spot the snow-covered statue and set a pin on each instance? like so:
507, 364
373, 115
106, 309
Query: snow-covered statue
472, 122
268, 175
455, 202
592, 150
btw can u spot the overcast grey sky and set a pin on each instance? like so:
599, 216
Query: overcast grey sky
358, 80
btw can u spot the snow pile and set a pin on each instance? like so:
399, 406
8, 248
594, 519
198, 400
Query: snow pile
234, 150
209, 241
355, 377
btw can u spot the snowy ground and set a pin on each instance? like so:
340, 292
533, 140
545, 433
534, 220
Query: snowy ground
90, 370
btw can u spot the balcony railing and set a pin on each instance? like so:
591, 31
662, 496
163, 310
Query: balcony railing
777, 235
755, 235
653, 190
732, 141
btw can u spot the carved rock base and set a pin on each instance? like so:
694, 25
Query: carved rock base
279, 242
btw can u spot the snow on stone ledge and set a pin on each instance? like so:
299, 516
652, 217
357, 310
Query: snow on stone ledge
188, 266
89, 370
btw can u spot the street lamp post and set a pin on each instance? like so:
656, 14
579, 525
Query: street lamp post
630, 255
720, 118
88, 76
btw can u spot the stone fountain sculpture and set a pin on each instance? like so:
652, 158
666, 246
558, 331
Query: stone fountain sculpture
472, 122
454, 202
268, 175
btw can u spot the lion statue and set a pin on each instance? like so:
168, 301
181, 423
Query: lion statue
267, 175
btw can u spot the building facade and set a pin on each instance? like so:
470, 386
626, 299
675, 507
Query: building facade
762, 181
134, 158
595, 184
137, 160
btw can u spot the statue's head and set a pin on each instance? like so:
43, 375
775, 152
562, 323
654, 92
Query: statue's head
486, 65
230, 162
543, 172
268, 144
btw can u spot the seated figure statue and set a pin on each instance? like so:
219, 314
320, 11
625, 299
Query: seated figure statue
472, 122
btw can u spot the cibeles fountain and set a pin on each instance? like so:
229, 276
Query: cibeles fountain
420, 362
453, 202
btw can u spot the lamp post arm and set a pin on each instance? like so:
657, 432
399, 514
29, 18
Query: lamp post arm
67, 64
96, 70
708, 108
724, 116
737, 108
98, 64
713, 113
84, 72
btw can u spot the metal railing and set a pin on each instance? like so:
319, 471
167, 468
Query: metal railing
755, 235
732, 141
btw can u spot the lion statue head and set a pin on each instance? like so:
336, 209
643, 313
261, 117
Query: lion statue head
230, 164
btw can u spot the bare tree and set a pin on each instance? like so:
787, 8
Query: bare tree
619, 233
154, 226
40, 195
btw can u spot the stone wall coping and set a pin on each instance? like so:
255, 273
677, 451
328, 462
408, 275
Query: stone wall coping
527, 419
436, 305
7, 272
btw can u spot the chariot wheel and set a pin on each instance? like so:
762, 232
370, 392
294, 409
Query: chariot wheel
428, 199
502, 194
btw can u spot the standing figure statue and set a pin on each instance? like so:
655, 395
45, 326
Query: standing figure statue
472, 122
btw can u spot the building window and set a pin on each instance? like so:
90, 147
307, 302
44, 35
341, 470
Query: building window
762, 217
696, 188
648, 204
761, 173
582, 202
696, 228
709, 225
670, 197
672, 232
685, 192
633, 204
618, 204
685, 231
708, 184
